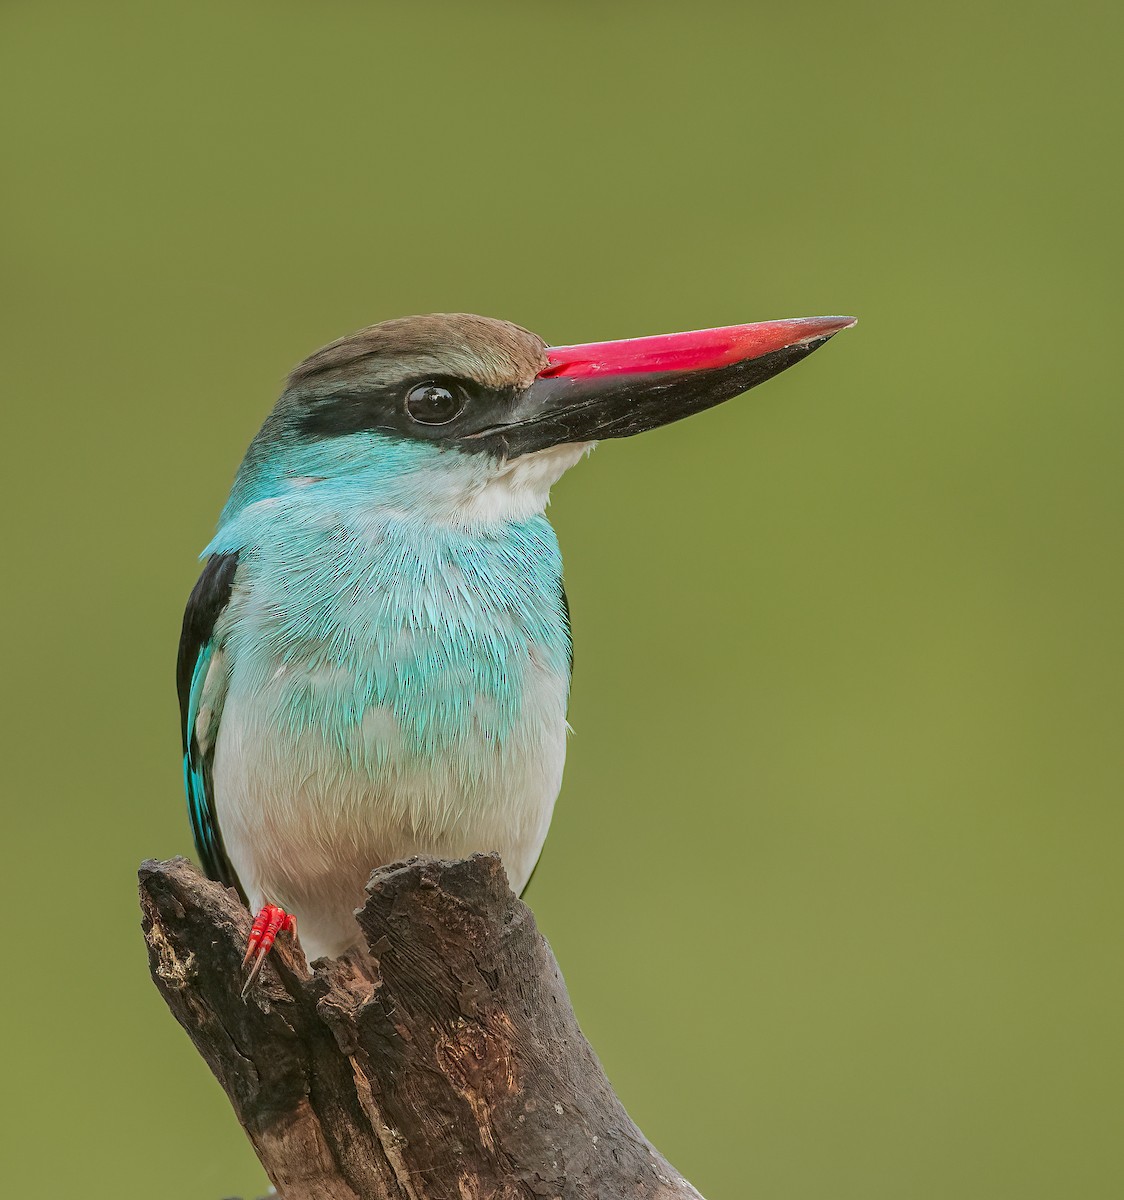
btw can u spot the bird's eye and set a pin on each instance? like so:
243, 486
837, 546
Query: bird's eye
434, 404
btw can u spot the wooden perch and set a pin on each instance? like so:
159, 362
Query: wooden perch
455, 1069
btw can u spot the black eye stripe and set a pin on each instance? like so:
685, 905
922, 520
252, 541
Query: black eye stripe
348, 408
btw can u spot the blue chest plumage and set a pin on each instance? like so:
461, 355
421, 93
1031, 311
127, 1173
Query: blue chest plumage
362, 610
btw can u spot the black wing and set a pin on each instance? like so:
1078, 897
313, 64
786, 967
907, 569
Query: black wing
208, 599
566, 617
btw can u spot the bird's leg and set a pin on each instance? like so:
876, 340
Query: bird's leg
269, 922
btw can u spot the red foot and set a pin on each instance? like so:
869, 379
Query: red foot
263, 933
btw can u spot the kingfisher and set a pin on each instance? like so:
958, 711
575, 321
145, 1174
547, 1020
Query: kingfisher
375, 662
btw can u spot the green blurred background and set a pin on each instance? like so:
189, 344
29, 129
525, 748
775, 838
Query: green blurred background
834, 877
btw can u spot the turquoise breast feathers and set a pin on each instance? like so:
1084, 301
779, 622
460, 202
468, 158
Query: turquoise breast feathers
377, 606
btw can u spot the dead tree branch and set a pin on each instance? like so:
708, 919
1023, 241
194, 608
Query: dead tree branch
455, 1071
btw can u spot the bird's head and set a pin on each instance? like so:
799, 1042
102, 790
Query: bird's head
471, 420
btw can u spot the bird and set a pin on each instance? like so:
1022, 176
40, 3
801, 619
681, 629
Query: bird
375, 662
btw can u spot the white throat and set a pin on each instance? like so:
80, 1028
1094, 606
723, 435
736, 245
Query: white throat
521, 489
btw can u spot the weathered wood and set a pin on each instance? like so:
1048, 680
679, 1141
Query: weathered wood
450, 1066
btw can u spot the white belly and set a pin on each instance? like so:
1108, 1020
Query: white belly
306, 818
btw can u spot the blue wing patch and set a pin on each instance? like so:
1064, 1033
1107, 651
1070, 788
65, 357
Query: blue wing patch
196, 653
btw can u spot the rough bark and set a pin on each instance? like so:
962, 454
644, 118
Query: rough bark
450, 1065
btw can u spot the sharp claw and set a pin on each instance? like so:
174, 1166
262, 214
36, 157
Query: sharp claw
267, 925
253, 972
